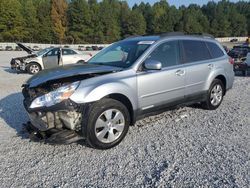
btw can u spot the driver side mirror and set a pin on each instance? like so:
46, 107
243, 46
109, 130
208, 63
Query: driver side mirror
151, 64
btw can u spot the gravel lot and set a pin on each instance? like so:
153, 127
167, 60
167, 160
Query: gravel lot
186, 147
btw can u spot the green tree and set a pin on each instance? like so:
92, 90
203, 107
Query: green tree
11, 21
110, 21
134, 24
194, 21
31, 23
59, 18
79, 20
45, 31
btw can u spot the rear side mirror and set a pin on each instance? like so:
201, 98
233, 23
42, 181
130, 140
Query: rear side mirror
151, 64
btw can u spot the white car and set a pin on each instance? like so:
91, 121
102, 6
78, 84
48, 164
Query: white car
47, 58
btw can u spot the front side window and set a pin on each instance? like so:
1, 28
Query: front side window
53, 52
166, 53
195, 51
41, 52
121, 54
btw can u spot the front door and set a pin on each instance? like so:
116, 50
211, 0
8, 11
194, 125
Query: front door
50, 60
166, 86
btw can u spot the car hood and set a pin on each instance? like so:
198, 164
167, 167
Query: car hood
25, 48
68, 71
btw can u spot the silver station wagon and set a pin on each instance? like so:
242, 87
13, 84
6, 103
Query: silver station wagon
127, 81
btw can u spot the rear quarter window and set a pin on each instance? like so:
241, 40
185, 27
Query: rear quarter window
215, 50
195, 51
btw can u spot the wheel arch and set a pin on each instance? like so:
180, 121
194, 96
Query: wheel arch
126, 102
216, 75
223, 80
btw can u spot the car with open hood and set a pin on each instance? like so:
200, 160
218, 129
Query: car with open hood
47, 58
130, 79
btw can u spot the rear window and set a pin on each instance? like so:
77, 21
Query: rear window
195, 51
214, 50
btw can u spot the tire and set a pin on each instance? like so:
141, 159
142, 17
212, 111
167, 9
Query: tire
244, 73
215, 95
33, 68
102, 130
81, 62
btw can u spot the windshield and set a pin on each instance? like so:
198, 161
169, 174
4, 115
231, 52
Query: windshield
41, 52
121, 54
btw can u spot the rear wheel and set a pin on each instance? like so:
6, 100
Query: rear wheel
108, 123
33, 68
215, 95
81, 62
244, 73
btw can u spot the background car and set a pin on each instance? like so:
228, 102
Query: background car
239, 52
88, 48
243, 65
81, 48
8, 48
95, 48
1, 48
234, 40
35, 48
47, 58
17, 48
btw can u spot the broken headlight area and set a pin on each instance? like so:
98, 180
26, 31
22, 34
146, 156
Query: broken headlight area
55, 97
49, 107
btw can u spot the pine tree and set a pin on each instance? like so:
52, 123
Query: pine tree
59, 18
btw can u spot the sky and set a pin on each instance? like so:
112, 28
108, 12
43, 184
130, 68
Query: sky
177, 3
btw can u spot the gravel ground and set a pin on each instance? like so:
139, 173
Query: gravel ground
186, 147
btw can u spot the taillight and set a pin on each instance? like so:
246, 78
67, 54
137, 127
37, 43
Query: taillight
231, 60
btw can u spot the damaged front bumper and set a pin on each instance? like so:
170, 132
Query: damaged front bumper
17, 65
59, 124
66, 114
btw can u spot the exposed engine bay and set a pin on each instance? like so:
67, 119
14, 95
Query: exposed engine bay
18, 62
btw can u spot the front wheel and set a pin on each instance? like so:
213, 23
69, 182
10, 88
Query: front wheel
215, 95
108, 124
33, 68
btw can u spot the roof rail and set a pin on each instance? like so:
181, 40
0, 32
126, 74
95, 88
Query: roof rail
203, 35
171, 34
132, 36
182, 34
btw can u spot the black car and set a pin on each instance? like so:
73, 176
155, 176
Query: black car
234, 40
18, 48
239, 52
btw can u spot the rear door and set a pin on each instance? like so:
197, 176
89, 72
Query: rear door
50, 59
162, 87
198, 65
69, 56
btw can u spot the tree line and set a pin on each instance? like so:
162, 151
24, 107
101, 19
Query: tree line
92, 21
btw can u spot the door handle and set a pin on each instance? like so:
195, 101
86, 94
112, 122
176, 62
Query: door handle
180, 72
210, 66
